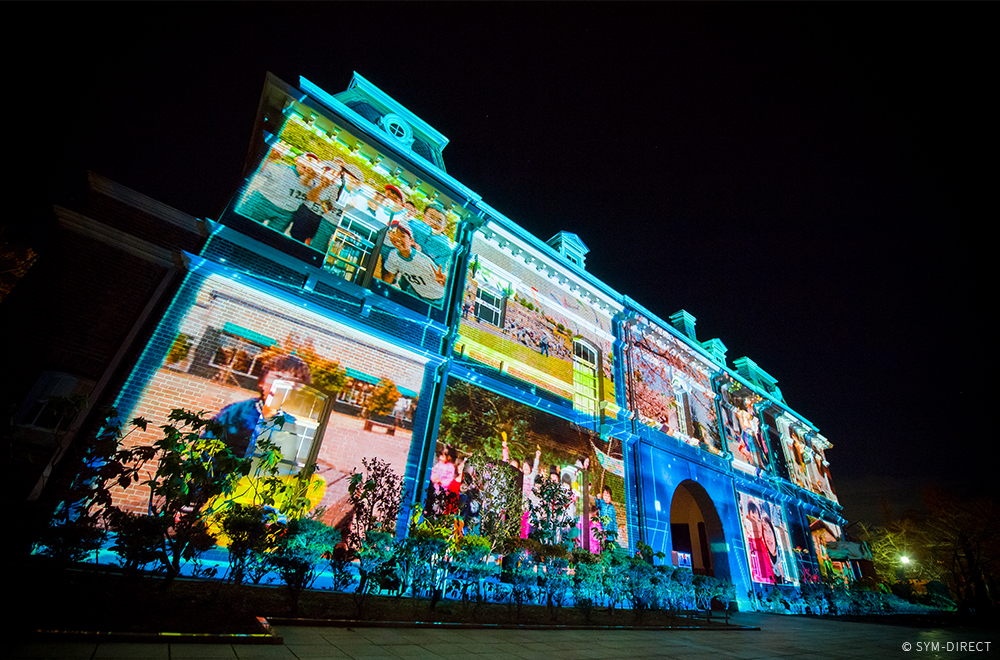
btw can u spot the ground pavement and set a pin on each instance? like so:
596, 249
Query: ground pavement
786, 637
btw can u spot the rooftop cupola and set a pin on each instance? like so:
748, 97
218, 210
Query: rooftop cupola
753, 374
684, 322
405, 129
716, 349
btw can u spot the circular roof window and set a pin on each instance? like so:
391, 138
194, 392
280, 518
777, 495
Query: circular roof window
397, 127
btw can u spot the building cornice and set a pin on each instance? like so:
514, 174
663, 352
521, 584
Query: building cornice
108, 188
116, 238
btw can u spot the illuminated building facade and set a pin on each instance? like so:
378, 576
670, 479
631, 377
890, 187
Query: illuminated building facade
426, 319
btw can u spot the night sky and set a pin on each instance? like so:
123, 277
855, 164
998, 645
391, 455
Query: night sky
807, 181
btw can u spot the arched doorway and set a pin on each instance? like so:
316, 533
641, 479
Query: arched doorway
696, 531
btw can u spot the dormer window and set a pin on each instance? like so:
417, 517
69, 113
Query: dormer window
570, 247
398, 128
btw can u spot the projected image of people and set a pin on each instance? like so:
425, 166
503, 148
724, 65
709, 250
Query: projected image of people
316, 190
407, 268
765, 534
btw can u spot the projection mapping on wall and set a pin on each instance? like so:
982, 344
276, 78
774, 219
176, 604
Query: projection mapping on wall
539, 446
765, 534
374, 227
246, 358
516, 319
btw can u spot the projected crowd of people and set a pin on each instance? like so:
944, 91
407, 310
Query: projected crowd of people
323, 203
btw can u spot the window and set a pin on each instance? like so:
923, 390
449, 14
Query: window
237, 355
585, 380
489, 308
304, 409
55, 399
684, 417
351, 249
398, 128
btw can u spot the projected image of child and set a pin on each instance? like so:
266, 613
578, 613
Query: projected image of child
608, 515
446, 480
529, 472
307, 218
351, 193
429, 234
390, 205
408, 269
470, 504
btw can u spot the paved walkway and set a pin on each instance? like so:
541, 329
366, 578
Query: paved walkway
779, 637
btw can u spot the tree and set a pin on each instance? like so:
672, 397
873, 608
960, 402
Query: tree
894, 540
473, 417
376, 497
194, 465
499, 498
383, 398
550, 517
962, 537
955, 540
15, 260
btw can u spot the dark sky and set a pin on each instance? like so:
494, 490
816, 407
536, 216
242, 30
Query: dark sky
807, 180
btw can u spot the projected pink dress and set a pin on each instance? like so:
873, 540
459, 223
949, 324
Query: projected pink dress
760, 562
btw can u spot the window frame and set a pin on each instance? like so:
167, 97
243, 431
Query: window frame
584, 368
499, 308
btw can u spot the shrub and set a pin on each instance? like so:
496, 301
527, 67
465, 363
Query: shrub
641, 586
681, 589
376, 497
300, 550
588, 586
470, 566
616, 565
195, 464
558, 582
252, 533
662, 585
374, 551
137, 538
499, 499
524, 579
705, 589
72, 515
